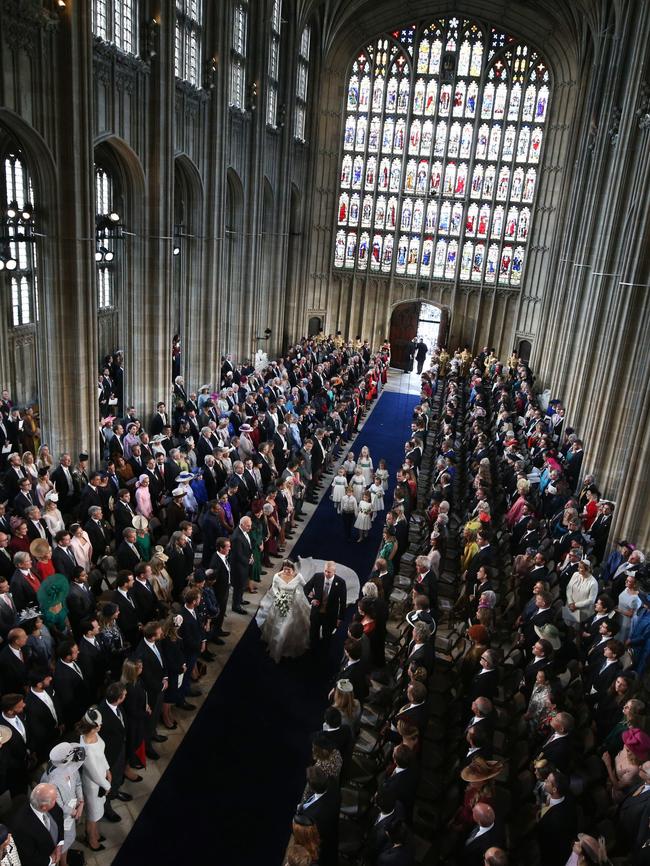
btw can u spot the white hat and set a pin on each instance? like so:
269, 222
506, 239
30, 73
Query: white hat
52, 496
64, 753
345, 686
140, 522
5, 734
178, 491
184, 476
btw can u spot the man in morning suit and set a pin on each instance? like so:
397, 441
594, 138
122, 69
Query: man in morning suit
241, 558
322, 808
154, 680
558, 821
486, 833
220, 566
43, 715
38, 828
327, 595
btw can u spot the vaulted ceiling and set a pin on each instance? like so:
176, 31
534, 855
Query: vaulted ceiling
565, 30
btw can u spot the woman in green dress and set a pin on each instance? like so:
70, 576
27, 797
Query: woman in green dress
142, 537
388, 548
257, 535
52, 595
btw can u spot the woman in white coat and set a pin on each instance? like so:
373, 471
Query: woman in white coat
96, 775
581, 594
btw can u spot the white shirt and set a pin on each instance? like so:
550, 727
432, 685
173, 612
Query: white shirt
47, 700
483, 830
224, 560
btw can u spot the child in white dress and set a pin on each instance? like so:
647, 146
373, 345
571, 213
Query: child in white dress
382, 473
358, 483
349, 465
376, 491
364, 517
338, 488
365, 463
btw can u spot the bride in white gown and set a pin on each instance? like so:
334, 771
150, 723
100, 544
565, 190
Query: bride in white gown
284, 613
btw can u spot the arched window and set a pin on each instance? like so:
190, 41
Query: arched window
106, 221
189, 32
18, 245
238, 48
457, 113
116, 21
274, 65
302, 82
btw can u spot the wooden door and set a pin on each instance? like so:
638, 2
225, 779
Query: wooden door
403, 327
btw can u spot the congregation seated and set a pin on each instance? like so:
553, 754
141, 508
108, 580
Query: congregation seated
511, 701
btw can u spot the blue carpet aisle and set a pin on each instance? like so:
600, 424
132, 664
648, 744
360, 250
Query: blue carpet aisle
228, 794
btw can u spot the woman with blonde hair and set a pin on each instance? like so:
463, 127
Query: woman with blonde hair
161, 582
135, 710
44, 459
29, 466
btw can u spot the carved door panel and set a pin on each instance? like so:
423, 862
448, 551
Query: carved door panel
403, 327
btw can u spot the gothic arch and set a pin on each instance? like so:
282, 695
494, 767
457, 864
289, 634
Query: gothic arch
188, 264
232, 265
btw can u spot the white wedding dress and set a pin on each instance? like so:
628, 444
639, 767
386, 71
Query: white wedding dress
283, 617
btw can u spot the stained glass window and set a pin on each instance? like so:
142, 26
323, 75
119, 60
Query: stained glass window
273, 76
17, 254
116, 21
188, 37
105, 252
238, 47
302, 80
443, 133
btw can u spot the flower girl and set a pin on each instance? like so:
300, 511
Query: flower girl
338, 488
382, 473
364, 517
376, 491
358, 483
365, 463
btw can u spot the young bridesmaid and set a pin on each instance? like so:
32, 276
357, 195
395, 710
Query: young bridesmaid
358, 483
339, 485
382, 474
365, 463
376, 491
364, 517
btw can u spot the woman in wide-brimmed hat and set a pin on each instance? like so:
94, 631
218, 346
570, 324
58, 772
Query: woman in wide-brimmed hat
479, 775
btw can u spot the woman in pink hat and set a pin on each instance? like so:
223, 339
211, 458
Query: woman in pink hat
623, 772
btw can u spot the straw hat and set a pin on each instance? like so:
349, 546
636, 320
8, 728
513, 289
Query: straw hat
480, 770
550, 633
140, 522
5, 734
39, 547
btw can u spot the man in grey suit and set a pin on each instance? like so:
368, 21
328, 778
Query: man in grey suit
241, 558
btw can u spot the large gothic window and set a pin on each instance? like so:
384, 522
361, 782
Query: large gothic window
187, 49
238, 49
106, 218
116, 21
443, 135
18, 244
302, 81
274, 65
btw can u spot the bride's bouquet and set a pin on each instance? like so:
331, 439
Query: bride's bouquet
283, 602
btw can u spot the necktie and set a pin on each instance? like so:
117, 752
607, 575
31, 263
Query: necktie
77, 669
472, 835
118, 713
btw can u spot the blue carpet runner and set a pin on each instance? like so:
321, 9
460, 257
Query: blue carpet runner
229, 792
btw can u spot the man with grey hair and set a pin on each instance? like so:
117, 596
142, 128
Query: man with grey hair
24, 583
38, 828
241, 559
327, 595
